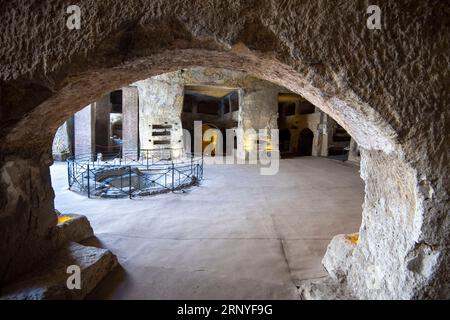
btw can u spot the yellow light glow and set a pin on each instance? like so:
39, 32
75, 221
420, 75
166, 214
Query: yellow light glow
62, 219
353, 238
249, 143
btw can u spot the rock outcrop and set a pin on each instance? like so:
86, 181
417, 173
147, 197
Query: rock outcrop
50, 280
388, 88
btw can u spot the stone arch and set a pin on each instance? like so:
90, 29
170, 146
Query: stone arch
305, 142
48, 73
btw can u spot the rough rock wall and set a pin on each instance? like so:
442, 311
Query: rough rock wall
130, 115
27, 215
160, 103
388, 88
258, 99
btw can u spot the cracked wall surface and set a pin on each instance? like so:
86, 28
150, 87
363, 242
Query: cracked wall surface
388, 88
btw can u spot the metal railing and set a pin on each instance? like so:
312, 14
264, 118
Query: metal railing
132, 173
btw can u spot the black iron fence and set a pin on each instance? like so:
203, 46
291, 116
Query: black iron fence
133, 173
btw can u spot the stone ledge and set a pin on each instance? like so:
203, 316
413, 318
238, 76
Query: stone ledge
48, 281
72, 227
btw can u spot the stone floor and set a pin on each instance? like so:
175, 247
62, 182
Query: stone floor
240, 235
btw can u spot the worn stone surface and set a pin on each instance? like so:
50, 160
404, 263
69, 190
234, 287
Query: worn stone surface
337, 259
76, 229
388, 88
27, 216
327, 289
49, 281
160, 103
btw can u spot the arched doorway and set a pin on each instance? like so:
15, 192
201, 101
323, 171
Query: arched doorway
305, 142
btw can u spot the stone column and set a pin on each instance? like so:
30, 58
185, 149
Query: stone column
160, 104
84, 131
353, 154
102, 127
130, 120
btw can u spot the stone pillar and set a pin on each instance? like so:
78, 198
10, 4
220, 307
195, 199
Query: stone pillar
84, 131
62, 143
102, 127
27, 214
130, 120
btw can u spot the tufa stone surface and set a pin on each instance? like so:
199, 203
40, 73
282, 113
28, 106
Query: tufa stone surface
388, 88
62, 148
49, 281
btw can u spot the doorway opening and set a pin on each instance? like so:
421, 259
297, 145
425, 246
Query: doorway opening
305, 142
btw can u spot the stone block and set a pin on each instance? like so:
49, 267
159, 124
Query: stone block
49, 280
